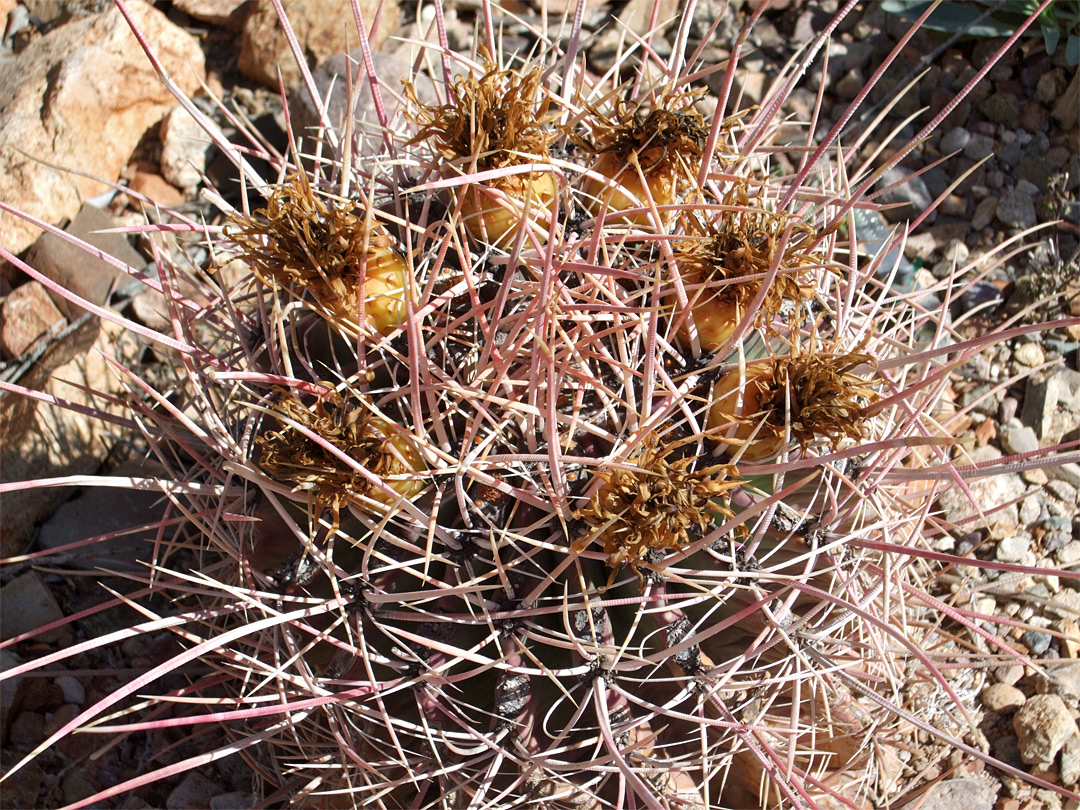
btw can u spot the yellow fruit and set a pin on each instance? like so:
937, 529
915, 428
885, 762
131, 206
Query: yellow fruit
736, 412
661, 182
388, 453
385, 289
716, 315
493, 213
405, 473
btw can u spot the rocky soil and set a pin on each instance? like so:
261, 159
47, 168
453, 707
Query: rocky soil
76, 92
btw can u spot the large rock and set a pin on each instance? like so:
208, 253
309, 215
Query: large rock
26, 315
108, 511
226, 13
956, 794
28, 605
323, 29
82, 97
991, 494
69, 266
45, 441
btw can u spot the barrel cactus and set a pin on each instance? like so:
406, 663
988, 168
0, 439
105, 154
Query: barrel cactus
561, 452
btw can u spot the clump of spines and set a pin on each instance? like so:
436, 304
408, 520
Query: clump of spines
496, 121
723, 263
650, 149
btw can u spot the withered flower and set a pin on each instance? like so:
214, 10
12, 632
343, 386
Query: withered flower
496, 121
661, 141
306, 244
804, 395
742, 243
346, 423
655, 505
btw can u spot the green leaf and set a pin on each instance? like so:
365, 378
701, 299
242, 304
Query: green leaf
1051, 37
1072, 50
949, 17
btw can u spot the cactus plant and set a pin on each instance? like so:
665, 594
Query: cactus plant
488, 505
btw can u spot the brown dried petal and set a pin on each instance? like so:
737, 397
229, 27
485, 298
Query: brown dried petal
656, 504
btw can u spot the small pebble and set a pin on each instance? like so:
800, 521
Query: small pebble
1042, 726
60, 718
27, 730
238, 800
1069, 553
1027, 187
978, 147
1047, 87
73, 690
967, 793
1029, 354
195, 791
1062, 490
954, 205
1063, 681
1009, 674
1015, 209
956, 250
984, 213
1030, 509
1008, 409
1070, 761
1012, 549
1065, 472
1040, 403
1001, 108
1036, 642
955, 140
1018, 438
1002, 698
1036, 476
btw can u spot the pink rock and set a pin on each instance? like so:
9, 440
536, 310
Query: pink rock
28, 313
6, 7
82, 96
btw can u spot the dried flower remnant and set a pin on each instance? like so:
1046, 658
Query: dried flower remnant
289, 456
308, 245
655, 505
720, 261
801, 396
496, 121
659, 145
